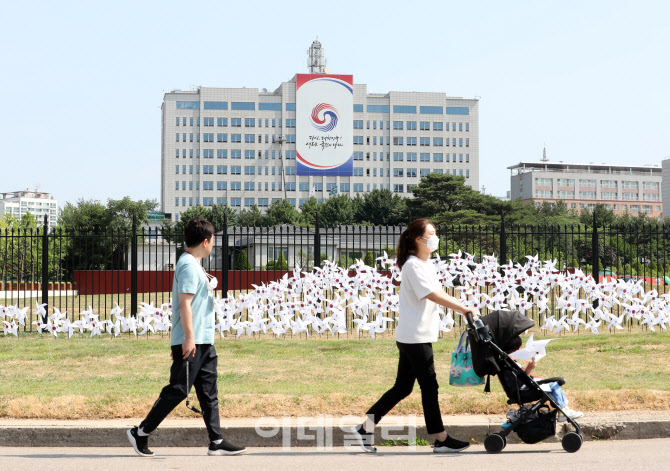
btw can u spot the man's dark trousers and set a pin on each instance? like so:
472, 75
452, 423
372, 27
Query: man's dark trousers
202, 376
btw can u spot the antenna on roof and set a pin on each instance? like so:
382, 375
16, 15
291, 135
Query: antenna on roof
316, 63
544, 154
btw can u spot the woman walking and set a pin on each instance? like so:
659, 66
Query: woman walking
417, 330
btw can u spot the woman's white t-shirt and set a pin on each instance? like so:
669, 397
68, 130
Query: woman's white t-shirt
418, 320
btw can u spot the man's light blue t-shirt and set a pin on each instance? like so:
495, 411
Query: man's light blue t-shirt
189, 277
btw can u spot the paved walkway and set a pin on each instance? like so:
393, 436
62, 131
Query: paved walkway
630, 455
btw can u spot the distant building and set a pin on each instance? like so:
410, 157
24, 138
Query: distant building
238, 146
666, 189
621, 188
36, 202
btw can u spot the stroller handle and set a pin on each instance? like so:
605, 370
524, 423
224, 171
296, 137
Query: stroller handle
481, 330
468, 317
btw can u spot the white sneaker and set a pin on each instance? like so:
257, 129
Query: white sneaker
363, 439
573, 414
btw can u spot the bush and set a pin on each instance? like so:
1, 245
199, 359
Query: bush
279, 264
242, 261
369, 259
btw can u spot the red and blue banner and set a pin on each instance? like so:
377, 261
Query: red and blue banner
324, 125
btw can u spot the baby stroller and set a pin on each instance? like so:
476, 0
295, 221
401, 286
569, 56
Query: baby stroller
532, 423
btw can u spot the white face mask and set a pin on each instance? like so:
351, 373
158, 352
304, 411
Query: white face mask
212, 282
432, 242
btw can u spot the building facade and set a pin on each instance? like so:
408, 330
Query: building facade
36, 202
624, 189
665, 198
237, 146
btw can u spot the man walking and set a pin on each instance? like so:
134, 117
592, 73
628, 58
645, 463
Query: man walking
194, 359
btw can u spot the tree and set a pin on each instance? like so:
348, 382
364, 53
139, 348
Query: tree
604, 216
19, 252
217, 214
85, 214
251, 218
281, 212
382, 208
121, 212
447, 200
186, 216
242, 261
308, 212
337, 210
114, 221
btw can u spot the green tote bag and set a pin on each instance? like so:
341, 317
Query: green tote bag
462, 373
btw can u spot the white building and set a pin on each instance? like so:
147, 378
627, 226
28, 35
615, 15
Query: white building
665, 172
36, 202
624, 189
236, 146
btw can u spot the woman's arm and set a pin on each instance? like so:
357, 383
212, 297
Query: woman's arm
443, 299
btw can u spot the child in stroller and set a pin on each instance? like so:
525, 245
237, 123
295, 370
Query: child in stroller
533, 422
552, 388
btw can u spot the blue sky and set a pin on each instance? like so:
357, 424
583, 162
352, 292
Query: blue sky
82, 82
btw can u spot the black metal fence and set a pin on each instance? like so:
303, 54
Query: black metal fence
72, 269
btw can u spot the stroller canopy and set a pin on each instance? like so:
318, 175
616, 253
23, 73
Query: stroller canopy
503, 326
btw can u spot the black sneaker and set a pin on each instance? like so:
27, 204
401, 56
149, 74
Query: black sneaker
363, 438
224, 448
140, 444
450, 445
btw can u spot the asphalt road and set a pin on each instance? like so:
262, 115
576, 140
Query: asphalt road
594, 455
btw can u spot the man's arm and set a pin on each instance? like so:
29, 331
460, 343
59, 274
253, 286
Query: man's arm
186, 316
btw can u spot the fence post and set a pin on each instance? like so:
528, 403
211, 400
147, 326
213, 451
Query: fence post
45, 263
317, 242
224, 258
503, 239
133, 269
595, 265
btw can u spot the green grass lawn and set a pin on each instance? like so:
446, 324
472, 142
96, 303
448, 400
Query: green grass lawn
104, 377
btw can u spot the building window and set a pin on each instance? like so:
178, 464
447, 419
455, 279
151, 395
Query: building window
431, 110
397, 125
411, 125
411, 141
438, 126
397, 156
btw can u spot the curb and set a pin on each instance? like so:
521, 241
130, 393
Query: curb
298, 432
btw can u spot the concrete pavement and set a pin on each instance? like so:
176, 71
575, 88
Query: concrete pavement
307, 432
629, 455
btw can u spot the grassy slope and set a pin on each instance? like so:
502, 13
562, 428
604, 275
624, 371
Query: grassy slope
103, 377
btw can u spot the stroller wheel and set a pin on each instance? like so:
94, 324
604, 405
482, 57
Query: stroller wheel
495, 443
572, 442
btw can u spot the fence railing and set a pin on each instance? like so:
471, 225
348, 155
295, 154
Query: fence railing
72, 269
